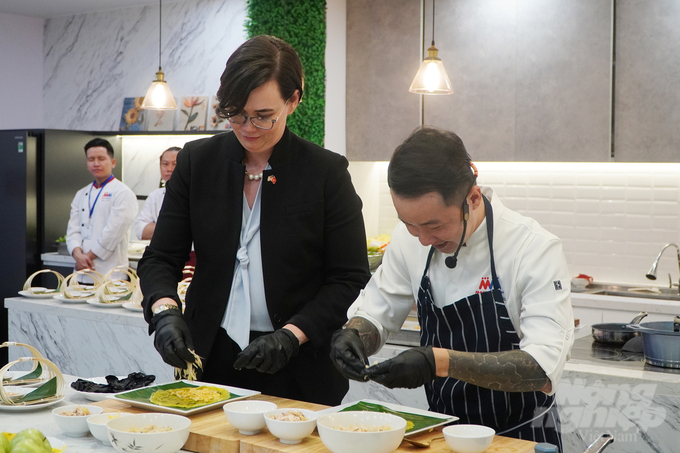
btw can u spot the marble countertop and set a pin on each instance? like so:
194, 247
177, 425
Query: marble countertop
15, 421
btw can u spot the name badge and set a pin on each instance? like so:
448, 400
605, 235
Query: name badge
86, 231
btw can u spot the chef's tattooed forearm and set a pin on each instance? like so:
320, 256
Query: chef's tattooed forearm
508, 371
368, 333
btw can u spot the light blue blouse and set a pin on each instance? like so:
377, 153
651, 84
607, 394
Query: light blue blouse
247, 305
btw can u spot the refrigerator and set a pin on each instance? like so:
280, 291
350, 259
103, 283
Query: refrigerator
40, 172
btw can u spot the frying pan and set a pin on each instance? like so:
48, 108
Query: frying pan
616, 332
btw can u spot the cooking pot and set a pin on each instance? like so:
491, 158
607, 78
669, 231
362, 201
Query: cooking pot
661, 342
616, 332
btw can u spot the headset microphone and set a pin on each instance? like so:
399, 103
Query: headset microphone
452, 261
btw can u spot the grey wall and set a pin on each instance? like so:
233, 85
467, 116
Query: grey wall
383, 55
647, 93
532, 78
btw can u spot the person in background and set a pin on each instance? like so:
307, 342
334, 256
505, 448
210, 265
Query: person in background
101, 214
146, 222
492, 289
279, 239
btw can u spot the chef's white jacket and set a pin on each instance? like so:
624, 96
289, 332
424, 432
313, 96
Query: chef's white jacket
110, 223
532, 272
150, 211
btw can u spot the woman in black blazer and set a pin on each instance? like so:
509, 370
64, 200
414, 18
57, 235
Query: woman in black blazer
278, 235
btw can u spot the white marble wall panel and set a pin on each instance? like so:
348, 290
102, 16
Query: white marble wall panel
88, 347
141, 164
92, 61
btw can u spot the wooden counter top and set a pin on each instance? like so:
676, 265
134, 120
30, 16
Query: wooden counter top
211, 432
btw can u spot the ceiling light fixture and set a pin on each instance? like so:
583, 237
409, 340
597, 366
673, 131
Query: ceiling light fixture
431, 78
159, 96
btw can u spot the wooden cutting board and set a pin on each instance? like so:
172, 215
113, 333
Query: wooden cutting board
212, 433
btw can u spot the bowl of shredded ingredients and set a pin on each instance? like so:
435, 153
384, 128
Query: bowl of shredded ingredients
369, 432
147, 433
73, 419
291, 425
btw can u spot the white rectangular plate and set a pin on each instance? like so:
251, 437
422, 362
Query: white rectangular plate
396, 407
242, 393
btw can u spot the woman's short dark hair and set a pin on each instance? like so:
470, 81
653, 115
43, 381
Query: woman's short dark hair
431, 160
99, 142
256, 62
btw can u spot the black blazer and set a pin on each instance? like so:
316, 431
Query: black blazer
312, 236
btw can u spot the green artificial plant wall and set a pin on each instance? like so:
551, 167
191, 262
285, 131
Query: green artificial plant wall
301, 23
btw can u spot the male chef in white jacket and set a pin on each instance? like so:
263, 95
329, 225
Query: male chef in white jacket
145, 224
492, 294
101, 214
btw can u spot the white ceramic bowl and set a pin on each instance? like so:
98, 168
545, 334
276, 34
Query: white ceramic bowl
291, 432
468, 438
74, 425
166, 442
97, 424
248, 416
339, 441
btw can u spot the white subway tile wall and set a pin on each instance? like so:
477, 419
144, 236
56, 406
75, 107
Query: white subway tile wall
613, 218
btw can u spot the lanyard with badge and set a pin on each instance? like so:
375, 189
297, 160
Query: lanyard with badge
86, 231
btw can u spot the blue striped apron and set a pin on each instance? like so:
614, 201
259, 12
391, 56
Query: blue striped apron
480, 323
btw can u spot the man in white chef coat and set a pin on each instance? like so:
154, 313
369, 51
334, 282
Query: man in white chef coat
101, 214
492, 294
145, 224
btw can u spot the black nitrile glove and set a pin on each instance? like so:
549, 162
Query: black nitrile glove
410, 369
348, 354
172, 339
269, 353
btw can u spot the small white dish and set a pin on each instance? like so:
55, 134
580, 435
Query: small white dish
468, 438
74, 425
248, 416
94, 301
71, 301
132, 307
291, 432
97, 424
47, 295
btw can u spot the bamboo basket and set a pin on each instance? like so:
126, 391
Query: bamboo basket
31, 290
33, 351
110, 291
50, 371
71, 288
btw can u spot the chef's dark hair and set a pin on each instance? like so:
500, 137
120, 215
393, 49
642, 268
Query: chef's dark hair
99, 142
431, 160
256, 62
172, 148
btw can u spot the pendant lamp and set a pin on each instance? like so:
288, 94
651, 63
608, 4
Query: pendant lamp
159, 96
431, 78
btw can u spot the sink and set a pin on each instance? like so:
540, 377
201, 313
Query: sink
643, 292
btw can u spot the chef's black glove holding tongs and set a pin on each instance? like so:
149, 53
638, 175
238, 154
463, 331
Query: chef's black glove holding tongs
172, 339
348, 354
410, 369
269, 353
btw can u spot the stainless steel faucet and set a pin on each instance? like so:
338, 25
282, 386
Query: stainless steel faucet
652, 271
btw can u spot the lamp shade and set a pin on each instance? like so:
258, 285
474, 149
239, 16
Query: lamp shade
159, 96
431, 78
